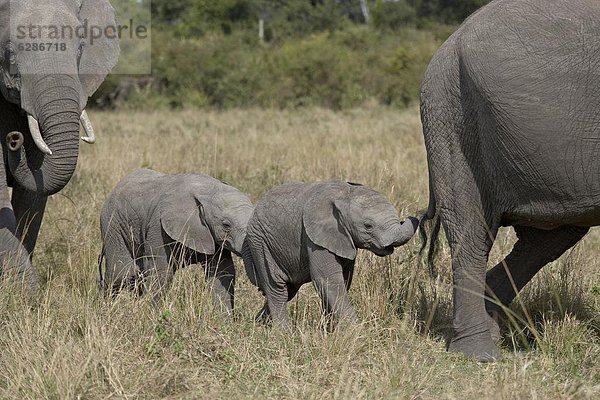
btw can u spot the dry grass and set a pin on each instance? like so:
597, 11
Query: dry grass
75, 345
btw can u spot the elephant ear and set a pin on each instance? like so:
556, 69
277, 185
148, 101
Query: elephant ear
322, 217
182, 218
99, 58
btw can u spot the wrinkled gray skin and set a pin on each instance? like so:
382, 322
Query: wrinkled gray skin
153, 223
303, 232
52, 87
13, 255
510, 107
15, 261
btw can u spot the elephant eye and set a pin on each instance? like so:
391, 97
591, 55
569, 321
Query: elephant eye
226, 226
11, 54
369, 226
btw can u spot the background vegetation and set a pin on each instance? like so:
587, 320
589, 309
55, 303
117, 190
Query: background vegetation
73, 344
326, 53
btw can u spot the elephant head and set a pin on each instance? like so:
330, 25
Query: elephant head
205, 222
49, 68
342, 217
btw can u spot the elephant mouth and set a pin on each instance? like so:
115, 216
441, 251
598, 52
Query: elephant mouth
383, 252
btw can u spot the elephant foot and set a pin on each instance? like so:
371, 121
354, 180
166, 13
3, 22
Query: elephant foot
479, 347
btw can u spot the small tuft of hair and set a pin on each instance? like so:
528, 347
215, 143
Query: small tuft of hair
100, 275
430, 224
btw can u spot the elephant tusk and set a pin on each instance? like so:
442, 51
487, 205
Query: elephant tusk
90, 136
36, 135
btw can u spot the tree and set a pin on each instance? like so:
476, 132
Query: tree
446, 10
169, 12
393, 14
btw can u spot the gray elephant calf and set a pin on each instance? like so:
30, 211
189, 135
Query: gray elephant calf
303, 232
153, 223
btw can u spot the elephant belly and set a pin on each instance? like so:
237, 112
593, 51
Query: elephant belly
292, 264
542, 174
540, 190
546, 184
551, 219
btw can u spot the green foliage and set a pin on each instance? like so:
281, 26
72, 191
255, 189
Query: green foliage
393, 15
169, 12
404, 68
209, 16
217, 70
337, 70
445, 11
317, 70
301, 18
165, 337
208, 53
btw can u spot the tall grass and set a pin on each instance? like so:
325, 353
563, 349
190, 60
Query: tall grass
74, 344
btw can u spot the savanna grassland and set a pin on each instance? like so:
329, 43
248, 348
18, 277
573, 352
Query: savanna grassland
72, 343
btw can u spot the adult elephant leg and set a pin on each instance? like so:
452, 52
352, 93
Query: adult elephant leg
470, 239
534, 249
7, 216
14, 260
12, 254
29, 210
220, 275
458, 179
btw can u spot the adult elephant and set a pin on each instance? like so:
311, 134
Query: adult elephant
510, 106
44, 94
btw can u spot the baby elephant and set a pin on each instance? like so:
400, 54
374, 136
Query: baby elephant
303, 232
153, 223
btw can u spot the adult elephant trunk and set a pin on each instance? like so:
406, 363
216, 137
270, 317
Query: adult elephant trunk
55, 101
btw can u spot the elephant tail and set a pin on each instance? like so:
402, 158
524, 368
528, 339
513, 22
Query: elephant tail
429, 224
100, 275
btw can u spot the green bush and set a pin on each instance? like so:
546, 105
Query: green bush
402, 69
316, 71
338, 70
207, 53
393, 15
225, 70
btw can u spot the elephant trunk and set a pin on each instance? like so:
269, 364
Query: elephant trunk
237, 243
403, 232
57, 112
248, 263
